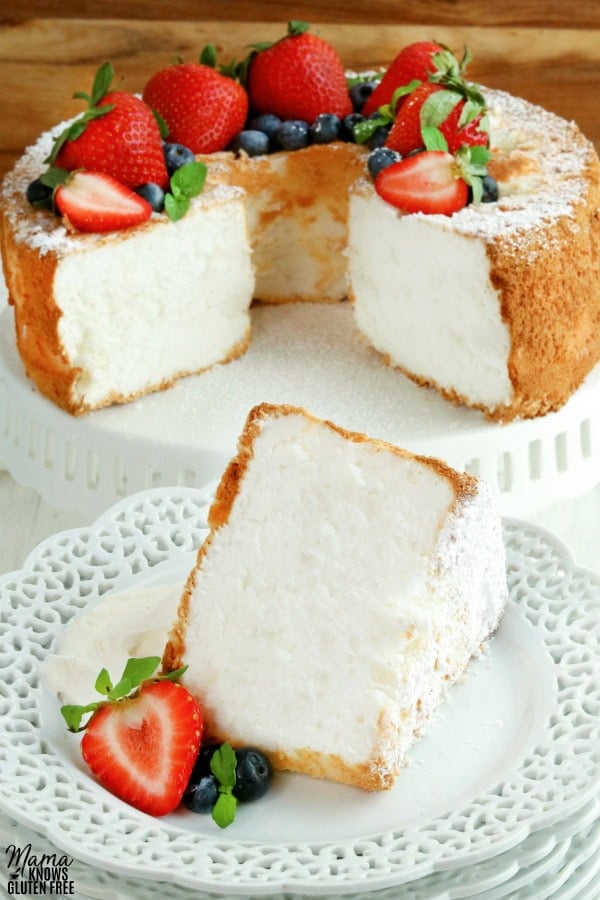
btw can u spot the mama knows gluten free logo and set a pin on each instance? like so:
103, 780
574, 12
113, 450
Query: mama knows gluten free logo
41, 874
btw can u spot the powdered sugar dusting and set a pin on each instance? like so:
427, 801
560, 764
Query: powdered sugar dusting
543, 157
542, 160
42, 230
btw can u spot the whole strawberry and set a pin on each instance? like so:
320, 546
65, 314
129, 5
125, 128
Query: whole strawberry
117, 135
299, 77
413, 62
203, 109
141, 747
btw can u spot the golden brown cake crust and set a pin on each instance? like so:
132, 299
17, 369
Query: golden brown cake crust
29, 274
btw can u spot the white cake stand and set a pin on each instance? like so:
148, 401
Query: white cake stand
302, 354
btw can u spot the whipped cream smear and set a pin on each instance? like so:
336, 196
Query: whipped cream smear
131, 623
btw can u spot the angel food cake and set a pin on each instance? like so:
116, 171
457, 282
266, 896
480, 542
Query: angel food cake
466, 232
343, 587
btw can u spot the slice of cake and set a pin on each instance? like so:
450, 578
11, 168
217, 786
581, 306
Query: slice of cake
103, 318
498, 305
343, 588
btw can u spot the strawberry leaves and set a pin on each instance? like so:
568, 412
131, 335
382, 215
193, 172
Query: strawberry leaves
102, 82
136, 673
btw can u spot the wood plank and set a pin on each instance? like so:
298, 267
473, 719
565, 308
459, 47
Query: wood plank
509, 13
42, 62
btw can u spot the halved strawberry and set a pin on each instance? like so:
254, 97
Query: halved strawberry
142, 745
143, 748
95, 202
413, 62
429, 182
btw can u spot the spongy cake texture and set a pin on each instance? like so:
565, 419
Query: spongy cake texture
343, 587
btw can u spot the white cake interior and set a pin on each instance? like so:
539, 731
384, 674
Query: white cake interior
162, 301
412, 276
345, 591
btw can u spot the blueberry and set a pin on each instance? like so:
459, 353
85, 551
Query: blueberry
381, 158
176, 155
379, 137
360, 93
293, 134
252, 142
153, 194
39, 194
490, 189
348, 123
267, 123
200, 796
202, 764
325, 128
254, 774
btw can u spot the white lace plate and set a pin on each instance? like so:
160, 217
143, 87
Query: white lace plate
517, 749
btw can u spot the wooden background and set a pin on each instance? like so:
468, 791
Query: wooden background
548, 52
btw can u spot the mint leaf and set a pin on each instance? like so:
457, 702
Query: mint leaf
103, 683
189, 179
480, 156
438, 107
223, 764
54, 176
367, 127
74, 714
208, 57
176, 208
186, 182
223, 811
434, 139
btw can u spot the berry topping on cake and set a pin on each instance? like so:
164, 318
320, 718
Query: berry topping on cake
94, 202
299, 77
202, 107
445, 102
116, 135
428, 182
414, 62
142, 745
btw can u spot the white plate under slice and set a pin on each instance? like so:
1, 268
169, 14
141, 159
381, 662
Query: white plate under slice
303, 354
516, 749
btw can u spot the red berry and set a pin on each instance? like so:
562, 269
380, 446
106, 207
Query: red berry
124, 143
93, 201
299, 77
413, 62
143, 749
458, 136
405, 135
427, 182
202, 108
